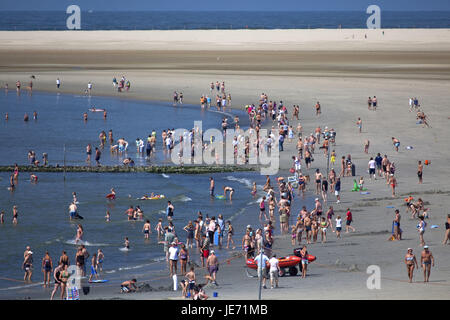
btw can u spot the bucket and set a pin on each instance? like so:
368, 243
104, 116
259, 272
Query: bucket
215, 294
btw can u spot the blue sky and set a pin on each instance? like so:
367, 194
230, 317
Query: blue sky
205, 5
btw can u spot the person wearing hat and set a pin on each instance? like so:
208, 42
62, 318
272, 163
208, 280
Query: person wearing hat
212, 263
27, 264
411, 262
426, 260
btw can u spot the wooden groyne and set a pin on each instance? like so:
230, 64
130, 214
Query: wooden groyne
186, 169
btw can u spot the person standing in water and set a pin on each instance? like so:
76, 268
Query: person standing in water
146, 229
27, 265
97, 156
79, 236
47, 268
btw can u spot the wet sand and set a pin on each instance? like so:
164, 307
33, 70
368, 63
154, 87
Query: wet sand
340, 73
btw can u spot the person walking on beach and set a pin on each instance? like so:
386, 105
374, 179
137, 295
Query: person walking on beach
57, 279
420, 171
369, 103
396, 143
427, 261
47, 268
447, 231
305, 261
318, 111
89, 88
274, 271
396, 225
349, 221
421, 229
411, 262
58, 83
79, 258
204, 251
212, 264
374, 103
262, 261
359, 124
190, 277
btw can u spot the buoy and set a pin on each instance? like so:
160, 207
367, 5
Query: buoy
427, 162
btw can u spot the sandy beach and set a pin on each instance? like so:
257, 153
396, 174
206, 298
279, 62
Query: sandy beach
339, 68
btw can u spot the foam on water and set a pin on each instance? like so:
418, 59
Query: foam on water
243, 181
86, 243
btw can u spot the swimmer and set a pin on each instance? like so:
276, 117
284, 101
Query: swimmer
108, 216
127, 243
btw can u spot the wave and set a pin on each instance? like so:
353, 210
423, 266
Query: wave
243, 181
165, 176
86, 243
185, 199
23, 286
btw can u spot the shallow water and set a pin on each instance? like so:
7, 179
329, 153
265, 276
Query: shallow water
43, 207
60, 125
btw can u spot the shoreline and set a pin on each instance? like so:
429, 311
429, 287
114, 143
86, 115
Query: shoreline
339, 74
186, 169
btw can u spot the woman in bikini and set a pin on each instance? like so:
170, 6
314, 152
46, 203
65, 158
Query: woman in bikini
411, 262
184, 257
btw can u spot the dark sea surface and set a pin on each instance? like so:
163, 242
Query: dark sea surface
176, 20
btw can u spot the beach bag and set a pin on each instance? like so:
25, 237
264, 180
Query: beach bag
73, 294
292, 170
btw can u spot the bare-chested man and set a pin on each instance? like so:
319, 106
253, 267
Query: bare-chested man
427, 261
212, 264
246, 242
190, 276
318, 176
307, 223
